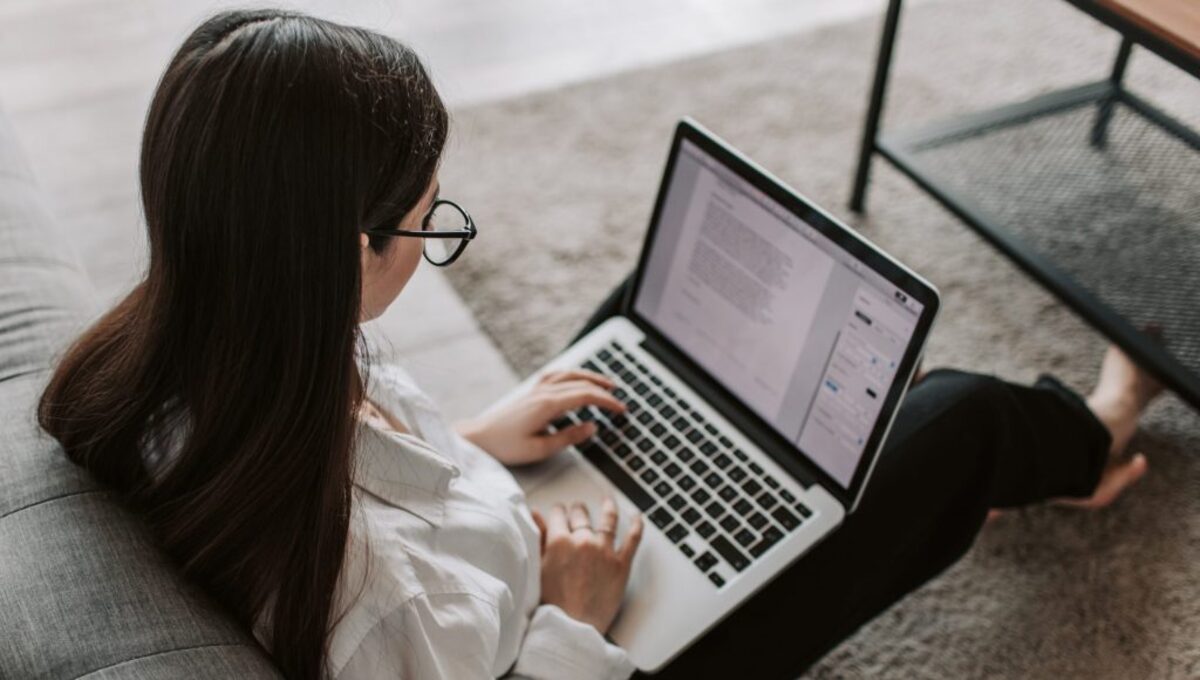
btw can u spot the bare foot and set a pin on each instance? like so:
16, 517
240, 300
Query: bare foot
1122, 393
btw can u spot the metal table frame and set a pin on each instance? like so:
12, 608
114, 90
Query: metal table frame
898, 148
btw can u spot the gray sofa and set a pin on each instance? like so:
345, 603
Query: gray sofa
83, 590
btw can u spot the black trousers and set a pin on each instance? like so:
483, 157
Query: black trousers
962, 443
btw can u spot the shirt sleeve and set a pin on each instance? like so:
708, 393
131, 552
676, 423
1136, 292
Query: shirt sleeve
558, 646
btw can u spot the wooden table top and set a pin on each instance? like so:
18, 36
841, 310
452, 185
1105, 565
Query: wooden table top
1176, 22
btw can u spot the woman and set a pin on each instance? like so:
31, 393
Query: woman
289, 182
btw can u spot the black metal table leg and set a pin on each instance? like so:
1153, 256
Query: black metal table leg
1105, 110
875, 108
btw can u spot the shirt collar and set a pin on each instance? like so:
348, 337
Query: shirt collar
403, 471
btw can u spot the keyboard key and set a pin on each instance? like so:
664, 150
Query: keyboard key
736, 558
730, 523
770, 537
649, 475
708, 448
636, 463
699, 467
645, 445
686, 483
661, 517
772, 482
686, 550
681, 424
608, 436
716, 579
787, 496
622, 450
744, 537
662, 489
658, 457
645, 418
767, 501
669, 392
632, 407
740, 455
786, 519
713, 480
711, 429
803, 510
562, 423
743, 507
752, 487
671, 442
667, 412
694, 436
722, 461
676, 501
756, 468
757, 520
701, 496
691, 516
658, 430
685, 454
715, 509
737, 474
725, 442
705, 530
609, 468
672, 469
728, 493
677, 533
654, 400
706, 561
604, 355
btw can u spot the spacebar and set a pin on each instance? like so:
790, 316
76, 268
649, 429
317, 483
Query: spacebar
617, 475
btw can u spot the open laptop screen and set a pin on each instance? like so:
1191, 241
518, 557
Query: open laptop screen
790, 323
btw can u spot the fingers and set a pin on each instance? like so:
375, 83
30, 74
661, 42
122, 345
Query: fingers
579, 518
632, 540
607, 526
556, 523
541, 525
599, 379
572, 396
575, 434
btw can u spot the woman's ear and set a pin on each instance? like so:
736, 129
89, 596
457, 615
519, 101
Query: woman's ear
364, 240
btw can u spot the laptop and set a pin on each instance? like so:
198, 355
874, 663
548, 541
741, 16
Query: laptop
762, 352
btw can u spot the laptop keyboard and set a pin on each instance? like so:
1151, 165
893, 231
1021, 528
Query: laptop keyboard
721, 509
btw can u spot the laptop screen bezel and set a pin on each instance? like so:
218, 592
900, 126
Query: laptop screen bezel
742, 416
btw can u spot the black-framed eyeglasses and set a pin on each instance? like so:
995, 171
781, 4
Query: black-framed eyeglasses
446, 228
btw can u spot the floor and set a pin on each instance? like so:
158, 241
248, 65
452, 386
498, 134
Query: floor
76, 76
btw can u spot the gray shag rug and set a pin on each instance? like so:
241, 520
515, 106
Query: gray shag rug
562, 183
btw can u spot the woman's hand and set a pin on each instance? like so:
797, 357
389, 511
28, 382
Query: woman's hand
516, 434
584, 572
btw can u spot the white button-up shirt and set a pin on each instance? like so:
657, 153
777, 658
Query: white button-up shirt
442, 575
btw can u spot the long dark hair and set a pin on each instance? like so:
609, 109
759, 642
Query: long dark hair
274, 139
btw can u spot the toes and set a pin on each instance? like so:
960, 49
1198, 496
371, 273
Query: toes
1113, 482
